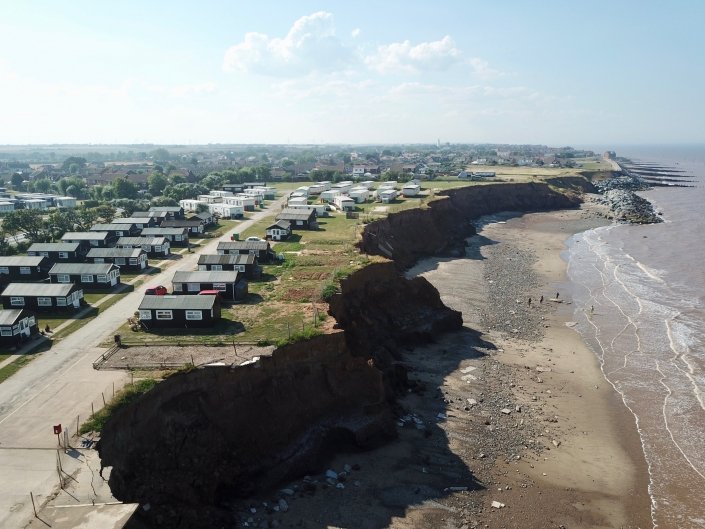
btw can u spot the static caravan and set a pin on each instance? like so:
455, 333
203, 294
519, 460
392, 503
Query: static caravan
154, 246
179, 311
260, 249
90, 239
342, 187
191, 204
231, 284
125, 258
303, 190
175, 236
368, 184
326, 184
297, 201
390, 184
304, 219
16, 326
269, 193
320, 209
279, 231
220, 193
58, 252
42, 296
248, 202
87, 275
387, 195
65, 202
344, 203
245, 264
410, 190
6, 207
226, 211
210, 199
316, 189
329, 196
29, 268
359, 194
35, 203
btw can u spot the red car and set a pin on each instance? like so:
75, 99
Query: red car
156, 291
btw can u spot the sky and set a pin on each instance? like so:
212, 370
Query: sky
176, 72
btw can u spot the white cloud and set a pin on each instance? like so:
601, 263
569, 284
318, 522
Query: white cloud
355, 33
482, 68
310, 45
404, 57
184, 90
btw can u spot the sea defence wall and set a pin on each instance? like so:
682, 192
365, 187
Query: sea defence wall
442, 227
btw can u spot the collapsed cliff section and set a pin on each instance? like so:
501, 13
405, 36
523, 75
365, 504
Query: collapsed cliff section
215, 434
442, 228
382, 311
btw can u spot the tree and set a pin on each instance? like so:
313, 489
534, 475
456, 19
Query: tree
161, 155
42, 185
79, 162
123, 188
129, 206
213, 181
16, 181
164, 201
28, 222
77, 186
157, 182
202, 208
183, 191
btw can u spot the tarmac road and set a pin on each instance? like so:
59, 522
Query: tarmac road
58, 387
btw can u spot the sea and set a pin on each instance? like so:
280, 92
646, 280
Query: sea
639, 298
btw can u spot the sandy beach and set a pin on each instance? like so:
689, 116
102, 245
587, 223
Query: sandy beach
585, 466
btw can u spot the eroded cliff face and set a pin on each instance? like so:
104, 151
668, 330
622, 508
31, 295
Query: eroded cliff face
211, 434
382, 311
441, 229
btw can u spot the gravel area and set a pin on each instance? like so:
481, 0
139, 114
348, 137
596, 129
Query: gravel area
167, 356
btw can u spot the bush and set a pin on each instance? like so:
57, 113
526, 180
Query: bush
328, 291
299, 336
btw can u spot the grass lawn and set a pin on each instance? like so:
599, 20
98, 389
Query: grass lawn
13, 367
290, 296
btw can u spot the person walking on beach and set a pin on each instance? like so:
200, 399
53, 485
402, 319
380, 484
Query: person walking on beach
541, 299
557, 294
529, 302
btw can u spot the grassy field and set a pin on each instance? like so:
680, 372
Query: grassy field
290, 297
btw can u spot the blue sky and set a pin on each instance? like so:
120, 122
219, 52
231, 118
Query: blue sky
352, 72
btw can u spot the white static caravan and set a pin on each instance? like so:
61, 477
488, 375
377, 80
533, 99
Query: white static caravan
387, 195
191, 204
342, 187
344, 203
367, 184
269, 193
410, 190
390, 184
226, 211
302, 190
210, 199
321, 209
329, 196
6, 207
35, 203
248, 202
220, 193
297, 201
316, 189
359, 194
325, 183
65, 202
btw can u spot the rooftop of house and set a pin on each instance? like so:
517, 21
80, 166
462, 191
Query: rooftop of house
206, 276
203, 302
82, 268
39, 289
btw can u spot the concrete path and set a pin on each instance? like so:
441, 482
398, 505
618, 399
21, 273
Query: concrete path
59, 387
